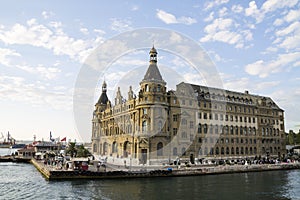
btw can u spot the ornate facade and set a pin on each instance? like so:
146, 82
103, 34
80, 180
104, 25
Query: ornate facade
158, 126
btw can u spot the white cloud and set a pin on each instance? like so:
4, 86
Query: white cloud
44, 72
254, 12
172, 19
289, 37
135, 8
293, 15
237, 8
5, 55
120, 25
267, 7
291, 28
223, 30
51, 37
278, 22
264, 69
272, 5
16, 89
85, 31
47, 15
210, 17
213, 4
223, 12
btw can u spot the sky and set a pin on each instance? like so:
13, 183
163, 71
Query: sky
254, 46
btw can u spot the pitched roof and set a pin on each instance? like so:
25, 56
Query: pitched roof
153, 74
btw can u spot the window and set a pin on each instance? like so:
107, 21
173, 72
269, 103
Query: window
159, 149
216, 116
191, 124
205, 116
144, 126
183, 121
199, 128
199, 115
175, 151
145, 111
175, 131
158, 88
174, 118
183, 135
205, 128
146, 88
216, 129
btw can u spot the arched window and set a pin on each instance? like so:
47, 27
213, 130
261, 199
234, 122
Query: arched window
199, 128
250, 150
231, 130
216, 129
242, 150
146, 88
241, 130
255, 150
205, 128
211, 152
226, 130
105, 146
236, 130
222, 150
159, 149
175, 151
95, 148
144, 126
217, 150
232, 150
114, 147
237, 152
227, 150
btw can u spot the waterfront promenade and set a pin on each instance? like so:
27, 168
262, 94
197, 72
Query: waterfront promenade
56, 173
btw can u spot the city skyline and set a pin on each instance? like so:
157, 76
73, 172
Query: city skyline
254, 46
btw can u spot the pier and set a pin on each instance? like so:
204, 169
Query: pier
52, 173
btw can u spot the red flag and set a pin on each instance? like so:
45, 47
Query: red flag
64, 139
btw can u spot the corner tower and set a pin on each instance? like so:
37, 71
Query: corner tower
152, 81
103, 99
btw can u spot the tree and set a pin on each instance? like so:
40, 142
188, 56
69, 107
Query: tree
72, 149
82, 152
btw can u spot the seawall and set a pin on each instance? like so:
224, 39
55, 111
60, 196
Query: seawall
51, 173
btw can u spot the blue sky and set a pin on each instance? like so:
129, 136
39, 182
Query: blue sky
253, 44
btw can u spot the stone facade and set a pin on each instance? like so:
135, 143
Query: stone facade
193, 122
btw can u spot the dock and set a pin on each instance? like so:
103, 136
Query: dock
52, 173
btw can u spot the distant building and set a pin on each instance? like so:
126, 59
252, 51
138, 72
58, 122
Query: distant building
158, 126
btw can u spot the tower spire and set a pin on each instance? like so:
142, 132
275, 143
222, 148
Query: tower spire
153, 55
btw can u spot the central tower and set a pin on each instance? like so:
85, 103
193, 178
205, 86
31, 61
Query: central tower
153, 107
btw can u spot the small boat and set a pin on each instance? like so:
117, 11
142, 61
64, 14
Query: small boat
18, 146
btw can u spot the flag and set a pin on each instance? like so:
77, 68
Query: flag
51, 139
64, 139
